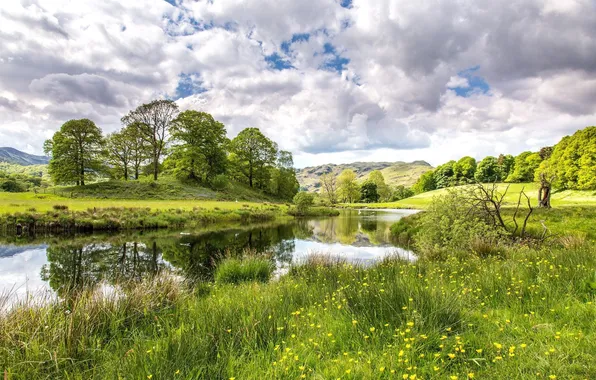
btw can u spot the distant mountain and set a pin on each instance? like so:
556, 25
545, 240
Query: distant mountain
395, 173
15, 156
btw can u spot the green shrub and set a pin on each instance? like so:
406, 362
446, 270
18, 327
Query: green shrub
220, 182
303, 201
235, 271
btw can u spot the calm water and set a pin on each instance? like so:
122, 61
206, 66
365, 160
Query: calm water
55, 265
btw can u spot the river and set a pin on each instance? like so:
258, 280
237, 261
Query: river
45, 266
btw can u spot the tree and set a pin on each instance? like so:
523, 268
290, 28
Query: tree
464, 169
347, 186
401, 192
119, 152
525, 166
425, 183
153, 123
140, 151
198, 152
444, 175
284, 183
487, 170
253, 154
368, 192
383, 190
74, 151
572, 164
505, 165
329, 185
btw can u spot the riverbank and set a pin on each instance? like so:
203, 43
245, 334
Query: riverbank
529, 314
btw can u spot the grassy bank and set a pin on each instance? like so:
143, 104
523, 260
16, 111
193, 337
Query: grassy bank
528, 315
62, 219
559, 199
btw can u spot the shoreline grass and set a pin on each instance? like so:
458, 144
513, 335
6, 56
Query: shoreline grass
528, 315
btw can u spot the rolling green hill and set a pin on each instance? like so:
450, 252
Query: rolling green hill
395, 173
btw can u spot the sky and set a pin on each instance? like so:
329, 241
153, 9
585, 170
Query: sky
333, 81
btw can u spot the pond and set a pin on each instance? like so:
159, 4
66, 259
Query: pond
47, 266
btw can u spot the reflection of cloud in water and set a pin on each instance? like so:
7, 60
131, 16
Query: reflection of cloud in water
20, 275
305, 248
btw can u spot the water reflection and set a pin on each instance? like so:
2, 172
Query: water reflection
76, 263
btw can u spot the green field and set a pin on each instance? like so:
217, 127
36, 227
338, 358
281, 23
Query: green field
562, 198
20, 202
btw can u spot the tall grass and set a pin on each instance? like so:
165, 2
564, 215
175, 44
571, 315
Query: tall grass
235, 271
528, 314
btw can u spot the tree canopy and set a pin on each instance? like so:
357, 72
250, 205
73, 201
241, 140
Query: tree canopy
75, 152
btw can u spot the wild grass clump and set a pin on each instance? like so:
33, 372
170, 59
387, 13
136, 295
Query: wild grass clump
313, 212
235, 271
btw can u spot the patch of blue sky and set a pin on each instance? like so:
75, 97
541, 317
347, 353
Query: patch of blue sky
476, 83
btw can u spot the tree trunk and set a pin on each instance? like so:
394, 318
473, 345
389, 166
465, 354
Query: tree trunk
125, 172
544, 193
82, 174
250, 175
155, 166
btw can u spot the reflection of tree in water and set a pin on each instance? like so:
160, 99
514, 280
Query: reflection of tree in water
73, 266
197, 255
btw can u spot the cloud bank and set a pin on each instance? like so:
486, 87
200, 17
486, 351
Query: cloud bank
330, 80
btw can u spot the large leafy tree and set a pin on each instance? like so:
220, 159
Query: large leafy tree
444, 176
487, 170
505, 165
378, 179
284, 183
348, 188
198, 150
153, 122
572, 164
464, 169
75, 152
426, 182
368, 192
524, 167
253, 155
119, 153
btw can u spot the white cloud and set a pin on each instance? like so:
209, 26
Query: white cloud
393, 100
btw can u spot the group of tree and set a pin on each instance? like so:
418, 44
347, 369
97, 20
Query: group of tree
346, 188
157, 138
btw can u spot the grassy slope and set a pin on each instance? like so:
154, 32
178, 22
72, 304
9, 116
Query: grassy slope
563, 198
166, 194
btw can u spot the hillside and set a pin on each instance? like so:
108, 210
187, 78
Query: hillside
395, 173
15, 156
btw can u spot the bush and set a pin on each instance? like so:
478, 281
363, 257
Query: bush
235, 271
60, 207
12, 186
220, 182
303, 201
448, 227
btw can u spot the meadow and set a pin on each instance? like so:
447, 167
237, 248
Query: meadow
559, 198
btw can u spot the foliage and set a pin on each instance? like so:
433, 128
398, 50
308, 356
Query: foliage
11, 185
303, 201
425, 183
448, 226
254, 154
347, 187
383, 190
444, 175
464, 169
75, 152
505, 164
401, 192
488, 170
284, 184
524, 167
152, 121
235, 271
329, 185
220, 182
198, 151
119, 153
572, 163
368, 192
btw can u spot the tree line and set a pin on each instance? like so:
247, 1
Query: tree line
156, 138
570, 164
